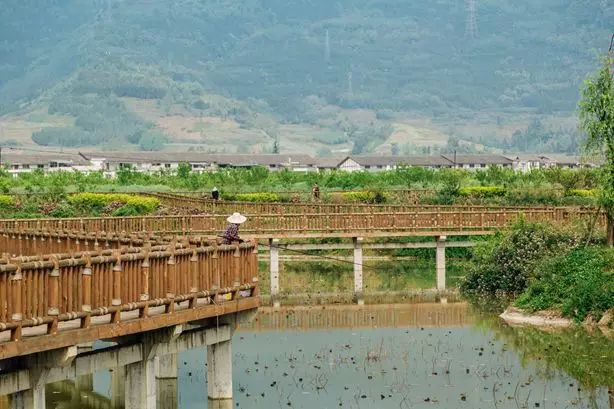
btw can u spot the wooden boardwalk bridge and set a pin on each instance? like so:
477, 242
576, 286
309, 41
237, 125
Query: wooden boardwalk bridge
152, 297
158, 285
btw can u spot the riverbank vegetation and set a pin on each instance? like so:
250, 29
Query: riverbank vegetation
586, 356
544, 267
76, 205
447, 186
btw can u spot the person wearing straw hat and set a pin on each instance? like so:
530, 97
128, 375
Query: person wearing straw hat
232, 230
215, 194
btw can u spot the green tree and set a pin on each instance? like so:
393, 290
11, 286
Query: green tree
183, 171
597, 121
276, 145
152, 141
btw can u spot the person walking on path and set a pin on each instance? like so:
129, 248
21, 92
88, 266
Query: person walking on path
315, 190
215, 194
231, 233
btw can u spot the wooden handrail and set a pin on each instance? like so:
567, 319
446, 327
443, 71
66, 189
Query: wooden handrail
50, 289
450, 219
253, 208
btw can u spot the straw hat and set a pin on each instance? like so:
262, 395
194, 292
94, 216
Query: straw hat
236, 218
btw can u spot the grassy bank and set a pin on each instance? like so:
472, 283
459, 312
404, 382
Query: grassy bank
542, 267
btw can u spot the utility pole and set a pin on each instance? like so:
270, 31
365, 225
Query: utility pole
472, 25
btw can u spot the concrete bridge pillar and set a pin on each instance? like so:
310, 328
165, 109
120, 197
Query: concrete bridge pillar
440, 262
31, 399
85, 382
167, 381
118, 387
220, 404
274, 267
141, 385
219, 371
358, 269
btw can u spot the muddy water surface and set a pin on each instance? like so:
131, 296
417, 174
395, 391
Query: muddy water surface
398, 356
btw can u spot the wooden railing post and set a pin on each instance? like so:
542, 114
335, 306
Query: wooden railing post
17, 314
144, 312
86, 283
169, 282
236, 271
117, 276
236, 267
54, 297
193, 277
254, 269
215, 272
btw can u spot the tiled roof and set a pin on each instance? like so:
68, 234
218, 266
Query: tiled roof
39, 158
478, 159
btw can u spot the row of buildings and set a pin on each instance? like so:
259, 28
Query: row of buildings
18, 162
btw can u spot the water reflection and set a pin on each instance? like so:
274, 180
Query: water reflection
386, 356
368, 316
317, 276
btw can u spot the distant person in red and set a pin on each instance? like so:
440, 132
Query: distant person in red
231, 234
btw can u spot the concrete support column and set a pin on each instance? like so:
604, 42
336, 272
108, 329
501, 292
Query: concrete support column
219, 371
166, 367
167, 381
358, 269
30, 399
440, 261
85, 382
118, 387
141, 385
274, 267
219, 404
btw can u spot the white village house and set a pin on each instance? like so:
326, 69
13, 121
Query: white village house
18, 162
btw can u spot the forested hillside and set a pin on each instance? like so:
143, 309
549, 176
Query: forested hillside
265, 64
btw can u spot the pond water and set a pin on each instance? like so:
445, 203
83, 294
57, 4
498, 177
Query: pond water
396, 356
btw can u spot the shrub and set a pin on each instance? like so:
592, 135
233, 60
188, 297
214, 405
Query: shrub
482, 191
540, 197
127, 210
256, 197
588, 193
504, 264
577, 283
6, 201
63, 211
96, 201
365, 197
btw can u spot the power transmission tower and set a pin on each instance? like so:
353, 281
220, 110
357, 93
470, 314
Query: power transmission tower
350, 82
472, 25
327, 47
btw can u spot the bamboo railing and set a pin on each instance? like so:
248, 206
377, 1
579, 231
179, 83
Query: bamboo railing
46, 290
206, 205
280, 225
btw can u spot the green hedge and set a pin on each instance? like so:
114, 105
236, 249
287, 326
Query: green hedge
254, 197
141, 204
6, 201
482, 191
365, 197
588, 193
